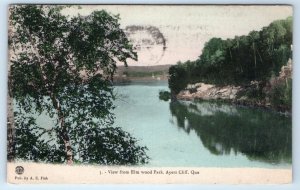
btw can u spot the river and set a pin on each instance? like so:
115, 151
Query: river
202, 134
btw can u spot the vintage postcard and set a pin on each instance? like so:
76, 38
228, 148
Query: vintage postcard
155, 94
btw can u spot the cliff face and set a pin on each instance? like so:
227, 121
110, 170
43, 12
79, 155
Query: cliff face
275, 93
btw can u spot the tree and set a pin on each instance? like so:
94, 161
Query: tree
63, 67
178, 79
238, 61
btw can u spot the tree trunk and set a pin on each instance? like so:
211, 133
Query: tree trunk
10, 130
259, 56
254, 54
64, 133
10, 113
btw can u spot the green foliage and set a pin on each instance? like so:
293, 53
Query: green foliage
178, 78
31, 144
254, 91
63, 67
164, 95
238, 61
281, 95
110, 146
94, 145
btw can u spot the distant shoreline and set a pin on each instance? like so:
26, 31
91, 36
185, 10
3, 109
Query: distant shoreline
129, 80
141, 74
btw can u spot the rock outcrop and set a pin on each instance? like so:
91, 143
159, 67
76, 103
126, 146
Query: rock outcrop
208, 92
255, 94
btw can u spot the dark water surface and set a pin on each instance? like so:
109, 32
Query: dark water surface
202, 134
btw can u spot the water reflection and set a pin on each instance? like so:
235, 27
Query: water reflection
225, 129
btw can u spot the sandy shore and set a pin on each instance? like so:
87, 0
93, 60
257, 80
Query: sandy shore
47, 173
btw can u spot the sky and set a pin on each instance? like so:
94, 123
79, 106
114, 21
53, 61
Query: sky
184, 29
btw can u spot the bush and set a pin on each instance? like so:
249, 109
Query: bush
178, 78
281, 95
164, 95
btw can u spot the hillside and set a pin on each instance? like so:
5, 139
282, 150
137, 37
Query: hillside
250, 65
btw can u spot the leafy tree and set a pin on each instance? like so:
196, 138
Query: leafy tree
177, 78
63, 67
238, 61
213, 53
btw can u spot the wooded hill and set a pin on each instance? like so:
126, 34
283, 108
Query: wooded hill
238, 61
258, 56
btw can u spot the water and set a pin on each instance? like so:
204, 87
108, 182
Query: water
202, 134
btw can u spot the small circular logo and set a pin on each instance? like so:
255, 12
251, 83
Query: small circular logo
19, 170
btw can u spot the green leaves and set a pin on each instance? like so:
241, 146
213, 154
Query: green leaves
63, 67
178, 78
97, 42
108, 145
238, 61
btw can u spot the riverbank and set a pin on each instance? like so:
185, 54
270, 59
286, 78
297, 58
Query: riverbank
275, 94
228, 94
